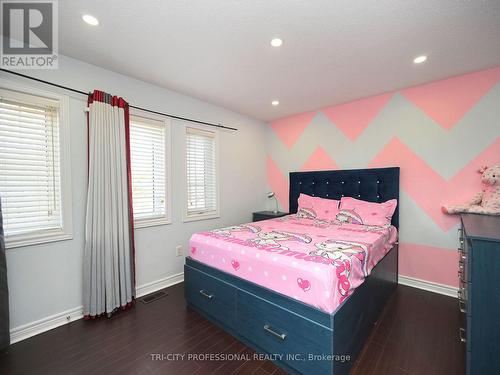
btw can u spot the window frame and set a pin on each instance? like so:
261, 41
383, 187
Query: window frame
167, 218
23, 92
186, 217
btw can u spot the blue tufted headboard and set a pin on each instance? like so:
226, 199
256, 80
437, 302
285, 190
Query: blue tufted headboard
372, 185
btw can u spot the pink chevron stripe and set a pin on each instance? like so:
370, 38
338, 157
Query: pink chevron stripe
289, 129
429, 190
354, 117
319, 160
278, 182
447, 101
429, 263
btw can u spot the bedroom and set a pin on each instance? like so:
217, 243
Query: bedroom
229, 106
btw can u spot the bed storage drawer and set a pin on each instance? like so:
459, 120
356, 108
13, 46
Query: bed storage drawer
279, 331
213, 296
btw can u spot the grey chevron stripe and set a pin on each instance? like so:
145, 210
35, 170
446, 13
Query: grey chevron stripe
419, 228
446, 151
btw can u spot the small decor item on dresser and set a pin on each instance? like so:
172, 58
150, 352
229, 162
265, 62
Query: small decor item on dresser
485, 202
266, 215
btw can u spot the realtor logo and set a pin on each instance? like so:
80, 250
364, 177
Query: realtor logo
29, 34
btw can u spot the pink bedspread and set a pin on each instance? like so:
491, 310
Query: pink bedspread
318, 263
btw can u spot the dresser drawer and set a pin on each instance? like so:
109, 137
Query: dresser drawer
463, 273
279, 331
211, 295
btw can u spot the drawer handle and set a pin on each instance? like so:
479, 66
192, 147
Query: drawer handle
461, 294
268, 329
206, 295
462, 305
461, 333
462, 284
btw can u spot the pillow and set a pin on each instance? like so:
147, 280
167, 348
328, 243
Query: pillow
367, 213
317, 208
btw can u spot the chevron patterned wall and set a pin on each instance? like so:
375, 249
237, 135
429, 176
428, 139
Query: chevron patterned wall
438, 133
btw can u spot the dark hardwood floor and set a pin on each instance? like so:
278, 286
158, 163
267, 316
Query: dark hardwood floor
417, 334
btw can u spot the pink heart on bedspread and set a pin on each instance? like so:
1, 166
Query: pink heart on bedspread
305, 285
235, 264
193, 250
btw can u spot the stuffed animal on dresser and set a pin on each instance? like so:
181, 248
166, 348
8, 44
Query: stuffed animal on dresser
486, 201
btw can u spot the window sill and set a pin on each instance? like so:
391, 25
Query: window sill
36, 239
145, 223
210, 216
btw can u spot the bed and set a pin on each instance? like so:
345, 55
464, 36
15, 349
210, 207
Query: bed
292, 310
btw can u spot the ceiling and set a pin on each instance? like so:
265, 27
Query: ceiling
334, 50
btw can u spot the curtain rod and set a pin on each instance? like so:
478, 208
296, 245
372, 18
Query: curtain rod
131, 106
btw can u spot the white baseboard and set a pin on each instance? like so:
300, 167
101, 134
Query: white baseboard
428, 285
158, 284
46, 324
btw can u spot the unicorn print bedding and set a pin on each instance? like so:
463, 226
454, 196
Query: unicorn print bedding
319, 263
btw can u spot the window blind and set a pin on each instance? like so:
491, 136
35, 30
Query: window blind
201, 172
147, 154
30, 183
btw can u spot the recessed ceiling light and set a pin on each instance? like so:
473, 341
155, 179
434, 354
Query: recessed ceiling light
91, 20
276, 42
275, 103
420, 59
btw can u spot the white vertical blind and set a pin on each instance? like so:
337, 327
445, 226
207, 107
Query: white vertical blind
147, 153
201, 172
30, 183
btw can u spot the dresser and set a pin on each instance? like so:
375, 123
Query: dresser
479, 292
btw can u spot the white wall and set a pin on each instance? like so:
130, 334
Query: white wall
46, 280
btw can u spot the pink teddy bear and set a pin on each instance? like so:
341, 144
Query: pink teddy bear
486, 201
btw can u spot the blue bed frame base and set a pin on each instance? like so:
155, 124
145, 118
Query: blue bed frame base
278, 325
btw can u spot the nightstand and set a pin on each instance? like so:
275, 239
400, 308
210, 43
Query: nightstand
265, 215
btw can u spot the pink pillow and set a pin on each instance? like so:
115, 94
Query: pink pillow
368, 213
317, 208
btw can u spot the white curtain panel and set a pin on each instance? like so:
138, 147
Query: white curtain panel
108, 260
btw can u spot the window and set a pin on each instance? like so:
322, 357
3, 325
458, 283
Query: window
34, 180
148, 154
201, 174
